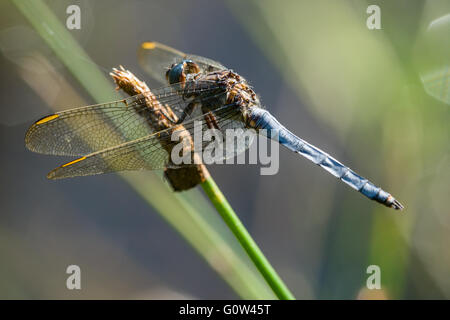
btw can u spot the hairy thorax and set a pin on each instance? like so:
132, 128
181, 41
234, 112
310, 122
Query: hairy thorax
230, 89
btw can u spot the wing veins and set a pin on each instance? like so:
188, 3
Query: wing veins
116, 153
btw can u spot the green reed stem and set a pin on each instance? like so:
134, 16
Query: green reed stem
232, 220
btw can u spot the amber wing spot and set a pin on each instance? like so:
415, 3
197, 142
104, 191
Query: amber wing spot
47, 119
148, 45
54, 173
72, 162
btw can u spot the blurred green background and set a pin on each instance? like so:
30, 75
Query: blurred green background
378, 100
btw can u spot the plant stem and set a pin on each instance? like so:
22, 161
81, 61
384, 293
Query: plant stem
232, 220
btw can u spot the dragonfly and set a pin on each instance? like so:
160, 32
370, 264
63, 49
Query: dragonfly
200, 94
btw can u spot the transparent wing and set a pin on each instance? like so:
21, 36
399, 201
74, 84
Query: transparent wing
206, 64
154, 151
144, 153
228, 138
83, 130
156, 58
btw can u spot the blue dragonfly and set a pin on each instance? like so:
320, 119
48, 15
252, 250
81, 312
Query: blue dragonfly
200, 93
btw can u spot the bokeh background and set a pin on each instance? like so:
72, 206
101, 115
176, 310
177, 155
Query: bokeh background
378, 100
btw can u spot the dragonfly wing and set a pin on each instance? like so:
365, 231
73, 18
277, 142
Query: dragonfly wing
83, 130
157, 150
87, 129
235, 137
144, 153
156, 58
206, 64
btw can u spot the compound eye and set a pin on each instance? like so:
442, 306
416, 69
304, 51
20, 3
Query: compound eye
168, 72
191, 67
167, 75
176, 73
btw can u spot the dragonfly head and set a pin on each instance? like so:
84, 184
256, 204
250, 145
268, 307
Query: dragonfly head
178, 71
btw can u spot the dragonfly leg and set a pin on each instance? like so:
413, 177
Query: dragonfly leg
210, 118
187, 112
168, 117
211, 121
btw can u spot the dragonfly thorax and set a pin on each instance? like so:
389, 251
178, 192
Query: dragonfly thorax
241, 94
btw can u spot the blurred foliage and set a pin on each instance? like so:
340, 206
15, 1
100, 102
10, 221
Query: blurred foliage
179, 211
366, 86
376, 99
